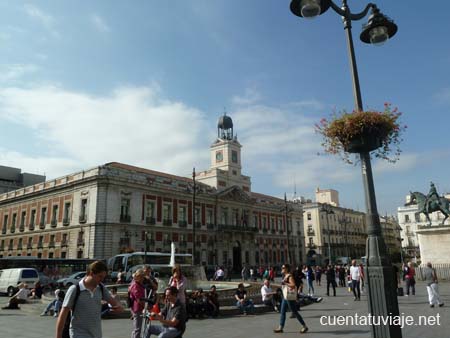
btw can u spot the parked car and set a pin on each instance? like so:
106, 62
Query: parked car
72, 279
11, 278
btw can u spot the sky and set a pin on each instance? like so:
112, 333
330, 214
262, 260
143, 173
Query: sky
83, 83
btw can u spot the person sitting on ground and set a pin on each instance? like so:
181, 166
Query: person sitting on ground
172, 317
36, 292
212, 305
19, 298
106, 307
269, 297
55, 304
196, 304
244, 304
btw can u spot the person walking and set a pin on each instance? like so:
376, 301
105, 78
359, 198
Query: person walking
410, 280
331, 279
355, 275
432, 286
288, 281
84, 299
136, 292
310, 278
179, 281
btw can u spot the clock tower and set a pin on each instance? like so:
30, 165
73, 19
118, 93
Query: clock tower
225, 170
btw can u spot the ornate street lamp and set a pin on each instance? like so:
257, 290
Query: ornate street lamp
382, 297
194, 189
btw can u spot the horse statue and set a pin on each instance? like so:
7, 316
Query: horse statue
427, 207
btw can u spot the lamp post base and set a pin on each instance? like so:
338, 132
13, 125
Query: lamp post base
382, 294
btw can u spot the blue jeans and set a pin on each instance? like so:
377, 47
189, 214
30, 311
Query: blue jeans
356, 289
245, 307
291, 304
162, 331
310, 286
55, 304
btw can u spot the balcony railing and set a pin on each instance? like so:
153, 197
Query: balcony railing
12, 229
210, 226
198, 225
82, 219
3, 230
22, 227
66, 221
29, 246
80, 242
2, 248
150, 220
237, 228
40, 245
53, 223
11, 248
311, 245
125, 218
31, 227
51, 244
311, 232
272, 231
264, 230
64, 243
42, 224
167, 222
182, 224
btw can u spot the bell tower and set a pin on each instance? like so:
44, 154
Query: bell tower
225, 152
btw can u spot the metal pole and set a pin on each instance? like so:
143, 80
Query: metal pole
329, 237
145, 249
287, 230
193, 216
382, 297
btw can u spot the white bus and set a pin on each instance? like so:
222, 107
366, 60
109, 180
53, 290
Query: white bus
156, 260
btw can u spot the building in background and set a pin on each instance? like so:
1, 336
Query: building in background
13, 178
116, 207
390, 230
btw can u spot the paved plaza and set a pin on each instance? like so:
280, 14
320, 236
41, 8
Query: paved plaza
26, 323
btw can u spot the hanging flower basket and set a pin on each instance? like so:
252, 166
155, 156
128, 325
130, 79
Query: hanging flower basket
363, 131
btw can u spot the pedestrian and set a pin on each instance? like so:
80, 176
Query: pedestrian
179, 281
341, 273
243, 303
269, 297
318, 275
355, 276
172, 317
288, 281
410, 280
432, 286
310, 278
55, 304
85, 299
136, 292
331, 279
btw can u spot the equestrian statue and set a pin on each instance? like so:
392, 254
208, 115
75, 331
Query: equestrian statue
430, 203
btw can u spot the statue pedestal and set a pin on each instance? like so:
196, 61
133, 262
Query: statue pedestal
434, 243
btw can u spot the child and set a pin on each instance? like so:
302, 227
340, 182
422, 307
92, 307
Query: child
55, 304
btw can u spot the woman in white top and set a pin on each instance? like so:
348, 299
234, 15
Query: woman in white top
19, 298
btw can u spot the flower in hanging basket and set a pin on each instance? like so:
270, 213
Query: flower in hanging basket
363, 131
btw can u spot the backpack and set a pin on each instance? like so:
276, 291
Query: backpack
66, 328
129, 300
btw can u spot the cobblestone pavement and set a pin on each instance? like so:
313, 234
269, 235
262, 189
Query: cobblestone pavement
27, 323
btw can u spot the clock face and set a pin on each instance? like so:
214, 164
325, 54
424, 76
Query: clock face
219, 156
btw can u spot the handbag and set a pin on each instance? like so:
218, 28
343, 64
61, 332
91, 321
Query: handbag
289, 293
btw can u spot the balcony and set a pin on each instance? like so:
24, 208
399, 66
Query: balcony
51, 244
11, 248
198, 225
53, 223
311, 232
237, 228
272, 231
311, 246
150, 220
2, 248
40, 245
125, 218
42, 224
182, 224
3, 230
29, 246
167, 222
12, 229
82, 219
31, 227
22, 228
66, 221
80, 242
210, 226
64, 244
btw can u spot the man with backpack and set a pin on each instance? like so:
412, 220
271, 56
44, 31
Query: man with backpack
80, 315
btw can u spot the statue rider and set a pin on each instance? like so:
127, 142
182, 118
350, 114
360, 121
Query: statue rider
432, 196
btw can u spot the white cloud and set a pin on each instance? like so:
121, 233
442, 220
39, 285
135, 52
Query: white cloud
406, 162
443, 95
43, 18
132, 125
15, 71
100, 24
251, 96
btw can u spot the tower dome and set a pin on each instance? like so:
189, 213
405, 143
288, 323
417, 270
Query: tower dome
225, 127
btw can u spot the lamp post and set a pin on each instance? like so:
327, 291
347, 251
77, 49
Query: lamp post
343, 220
194, 192
382, 296
287, 229
326, 208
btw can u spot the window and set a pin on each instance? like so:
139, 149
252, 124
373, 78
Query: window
406, 218
182, 213
66, 216
197, 216
30, 243
22, 220
125, 210
234, 157
63, 254
64, 239
41, 242
224, 216
50, 255
234, 217
255, 221
209, 216
32, 219
19, 245
5, 224
13, 223
272, 223
167, 214
417, 217
264, 223
308, 215
150, 209
54, 220
52, 241
83, 211
11, 244
43, 217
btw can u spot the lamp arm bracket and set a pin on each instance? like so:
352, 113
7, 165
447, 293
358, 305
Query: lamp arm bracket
345, 12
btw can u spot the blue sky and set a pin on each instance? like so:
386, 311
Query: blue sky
144, 82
